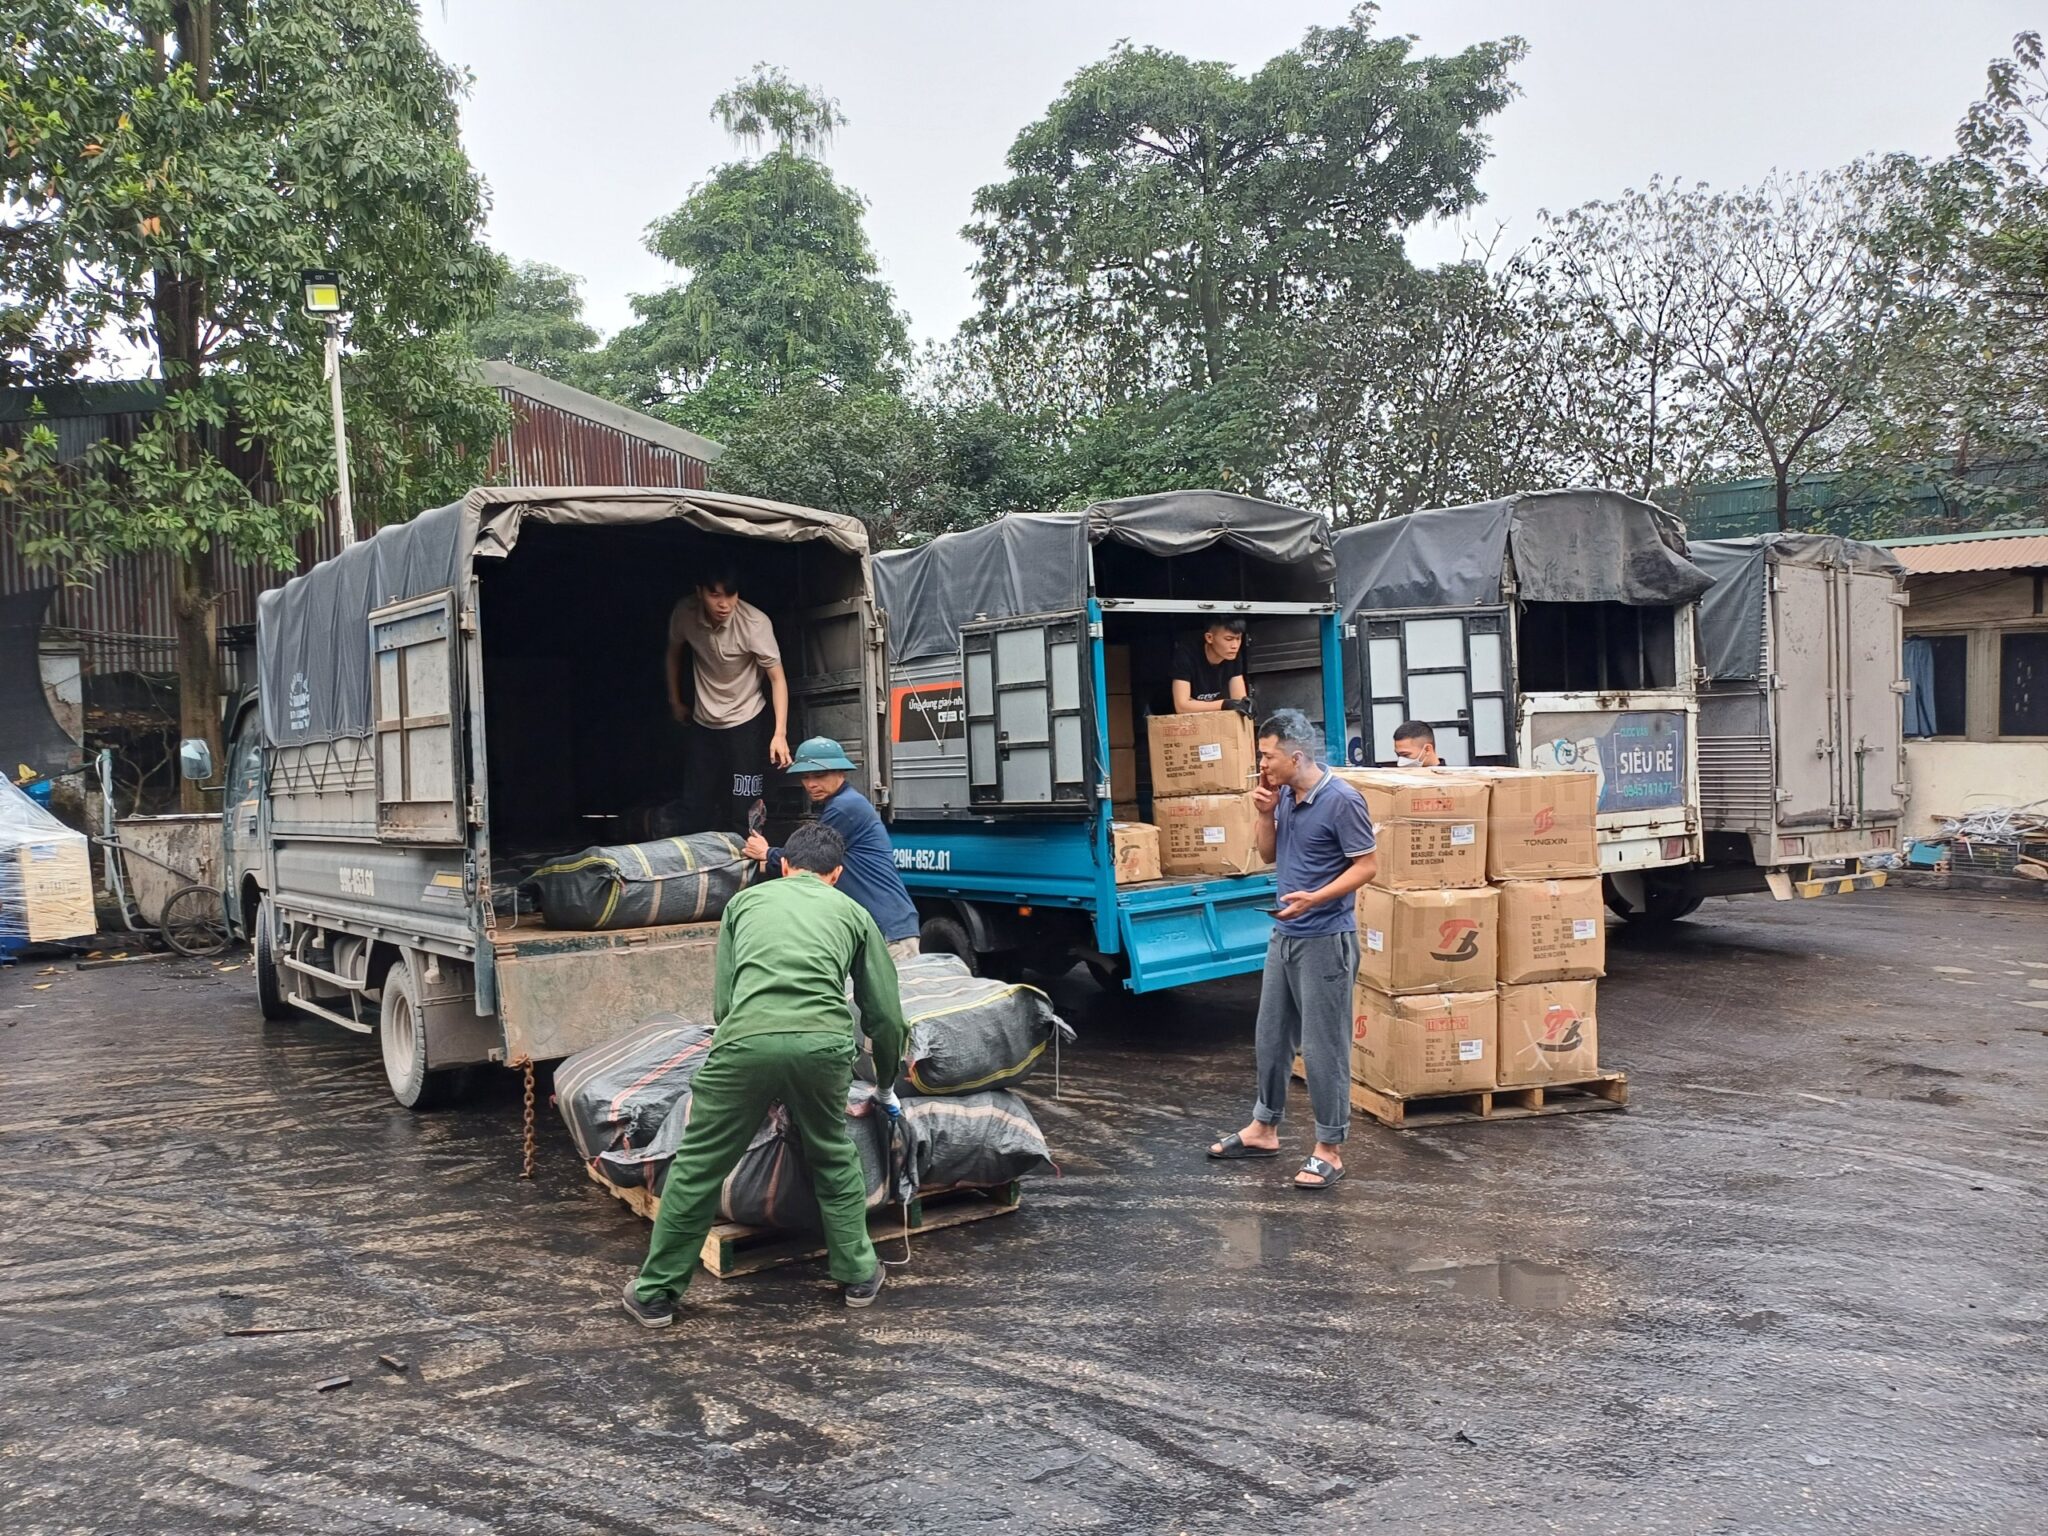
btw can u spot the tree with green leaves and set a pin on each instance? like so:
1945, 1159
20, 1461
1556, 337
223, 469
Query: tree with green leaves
1961, 406
1164, 210
170, 168
537, 323
781, 286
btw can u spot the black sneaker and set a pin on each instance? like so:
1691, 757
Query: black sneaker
864, 1293
658, 1313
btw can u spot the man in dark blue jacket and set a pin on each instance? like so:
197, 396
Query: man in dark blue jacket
870, 876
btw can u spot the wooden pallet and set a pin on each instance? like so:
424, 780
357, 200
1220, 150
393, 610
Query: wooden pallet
1410, 1111
731, 1250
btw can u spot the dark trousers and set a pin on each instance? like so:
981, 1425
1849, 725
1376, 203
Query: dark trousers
725, 773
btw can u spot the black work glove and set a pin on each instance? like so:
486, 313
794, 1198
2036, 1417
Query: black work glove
1242, 706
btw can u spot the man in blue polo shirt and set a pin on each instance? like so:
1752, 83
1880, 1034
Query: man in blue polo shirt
1315, 829
821, 766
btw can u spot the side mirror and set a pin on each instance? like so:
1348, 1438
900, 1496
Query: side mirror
195, 760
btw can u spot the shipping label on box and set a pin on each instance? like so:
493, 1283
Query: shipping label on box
1431, 1042
1207, 835
1136, 849
1540, 825
1430, 826
1426, 941
1207, 754
1552, 930
1549, 1033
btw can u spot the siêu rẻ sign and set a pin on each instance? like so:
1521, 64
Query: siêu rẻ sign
1638, 755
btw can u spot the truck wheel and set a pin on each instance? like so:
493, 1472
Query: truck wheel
1664, 901
402, 1036
269, 974
948, 936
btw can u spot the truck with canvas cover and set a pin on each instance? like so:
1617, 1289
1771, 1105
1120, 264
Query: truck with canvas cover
1548, 630
1802, 746
1031, 726
480, 694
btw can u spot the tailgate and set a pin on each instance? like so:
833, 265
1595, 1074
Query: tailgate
560, 991
1176, 932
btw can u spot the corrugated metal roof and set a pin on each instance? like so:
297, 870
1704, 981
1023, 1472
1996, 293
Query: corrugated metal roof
2012, 552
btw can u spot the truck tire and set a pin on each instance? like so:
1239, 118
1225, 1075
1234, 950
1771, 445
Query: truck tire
1664, 901
948, 936
269, 974
402, 1038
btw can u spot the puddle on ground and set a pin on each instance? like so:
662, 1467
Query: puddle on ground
1517, 1282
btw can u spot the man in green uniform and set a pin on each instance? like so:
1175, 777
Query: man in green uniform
786, 950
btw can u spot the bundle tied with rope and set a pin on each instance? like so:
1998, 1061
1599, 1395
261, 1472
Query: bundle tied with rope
643, 885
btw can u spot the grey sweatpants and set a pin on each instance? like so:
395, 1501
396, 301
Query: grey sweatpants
1305, 1006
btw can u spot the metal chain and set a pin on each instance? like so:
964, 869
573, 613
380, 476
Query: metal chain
526, 1172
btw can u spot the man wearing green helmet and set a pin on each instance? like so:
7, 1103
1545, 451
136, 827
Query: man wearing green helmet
821, 766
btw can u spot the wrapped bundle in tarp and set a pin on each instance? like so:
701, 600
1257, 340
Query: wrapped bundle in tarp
973, 1141
627, 1105
644, 885
970, 1033
615, 1097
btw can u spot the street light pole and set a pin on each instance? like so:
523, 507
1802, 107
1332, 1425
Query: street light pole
348, 517
323, 301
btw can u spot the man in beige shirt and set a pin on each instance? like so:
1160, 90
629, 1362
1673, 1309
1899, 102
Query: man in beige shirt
733, 733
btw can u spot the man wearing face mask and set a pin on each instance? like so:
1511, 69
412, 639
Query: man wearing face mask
1415, 745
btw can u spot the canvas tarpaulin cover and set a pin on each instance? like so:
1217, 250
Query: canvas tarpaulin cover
1572, 546
313, 632
1732, 611
1038, 562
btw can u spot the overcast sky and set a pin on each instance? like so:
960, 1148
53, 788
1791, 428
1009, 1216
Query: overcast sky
592, 119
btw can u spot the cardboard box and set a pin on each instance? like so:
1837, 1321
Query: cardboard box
1430, 826
1552, 930
1433, 1042
1123, 727
1207, 835
1135, 847
1123, 774
1540, 826
56, 888
1116, 669
1426, 941
1208, 754
1549, 1033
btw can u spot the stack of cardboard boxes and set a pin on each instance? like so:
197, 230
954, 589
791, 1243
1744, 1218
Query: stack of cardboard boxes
1203, 770
1482, 932
1135, 845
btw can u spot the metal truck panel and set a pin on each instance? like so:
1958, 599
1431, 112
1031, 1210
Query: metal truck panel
560, 992
1803, 673
1873, 642
410, 896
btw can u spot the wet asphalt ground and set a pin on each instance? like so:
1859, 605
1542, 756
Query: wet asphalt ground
1797, 1286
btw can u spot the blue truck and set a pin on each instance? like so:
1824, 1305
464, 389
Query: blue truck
1004, 778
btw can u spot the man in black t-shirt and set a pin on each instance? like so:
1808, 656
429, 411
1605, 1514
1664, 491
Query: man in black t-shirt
1208, 670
